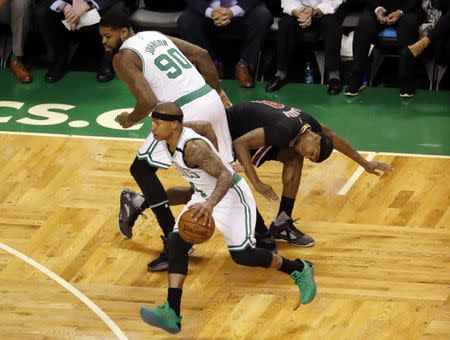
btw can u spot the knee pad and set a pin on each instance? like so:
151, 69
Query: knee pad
145, 176
252, 257
141, 167
178, 254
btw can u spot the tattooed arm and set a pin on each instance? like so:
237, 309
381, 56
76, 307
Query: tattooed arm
198, 154
203, 128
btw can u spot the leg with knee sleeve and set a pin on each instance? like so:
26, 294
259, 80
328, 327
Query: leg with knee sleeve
154, 193
252, 257
178, 254
301, 271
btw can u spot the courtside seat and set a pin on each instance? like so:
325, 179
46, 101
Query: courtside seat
165, 22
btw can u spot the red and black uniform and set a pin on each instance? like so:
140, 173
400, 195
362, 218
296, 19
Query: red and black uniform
282, 126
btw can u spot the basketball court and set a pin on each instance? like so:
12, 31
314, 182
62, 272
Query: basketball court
382, 253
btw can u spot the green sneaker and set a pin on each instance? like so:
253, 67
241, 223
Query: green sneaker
305, 282
163, 317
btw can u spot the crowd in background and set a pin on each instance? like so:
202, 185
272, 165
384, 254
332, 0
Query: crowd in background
418, 24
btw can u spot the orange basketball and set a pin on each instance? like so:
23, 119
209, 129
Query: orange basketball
192, 231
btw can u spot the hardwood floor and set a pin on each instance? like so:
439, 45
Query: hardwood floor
382, 252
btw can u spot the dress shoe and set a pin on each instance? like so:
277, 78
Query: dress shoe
334, 86
275, 84
105, 73
244, 76
56, 72
20, 71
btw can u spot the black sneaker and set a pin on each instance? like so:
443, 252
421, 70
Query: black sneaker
354, 88
266, 241
283, 228
128, 213
161, 263
407, 92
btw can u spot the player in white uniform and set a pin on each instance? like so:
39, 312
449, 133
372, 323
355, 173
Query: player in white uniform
222, 194
158, 68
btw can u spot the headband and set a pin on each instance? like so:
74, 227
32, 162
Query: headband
166, 117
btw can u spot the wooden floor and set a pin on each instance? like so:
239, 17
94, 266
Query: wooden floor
382, 252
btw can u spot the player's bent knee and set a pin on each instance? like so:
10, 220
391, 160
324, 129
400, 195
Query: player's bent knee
140, 167
252, 257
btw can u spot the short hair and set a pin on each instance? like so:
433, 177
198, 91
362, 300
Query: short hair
326, 147
116, 18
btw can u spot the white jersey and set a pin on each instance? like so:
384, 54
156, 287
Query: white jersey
168, 72
235, 214
202, 182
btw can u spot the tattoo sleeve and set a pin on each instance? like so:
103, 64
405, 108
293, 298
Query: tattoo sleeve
198, 154
128, 67
203, 128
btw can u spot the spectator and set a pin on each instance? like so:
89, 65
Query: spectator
437, 32
17, 13
301, 15
250, 19
56, 35
405, 16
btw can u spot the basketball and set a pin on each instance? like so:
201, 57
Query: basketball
192, 231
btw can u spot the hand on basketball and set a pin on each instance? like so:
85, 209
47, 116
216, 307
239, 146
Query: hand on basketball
123, 120
377, 168
202, 209
266, 190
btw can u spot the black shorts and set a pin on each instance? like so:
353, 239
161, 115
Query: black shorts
263, 154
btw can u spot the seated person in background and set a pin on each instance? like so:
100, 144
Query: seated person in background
439, 32
301, 15
203, 20
49, 16
17, 13
404, 16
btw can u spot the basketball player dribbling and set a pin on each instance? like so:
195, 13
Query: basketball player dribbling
221, 194
158, 68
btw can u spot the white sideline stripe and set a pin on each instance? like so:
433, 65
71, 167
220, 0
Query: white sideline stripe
142, 139
106, 319
69, 136
355, 176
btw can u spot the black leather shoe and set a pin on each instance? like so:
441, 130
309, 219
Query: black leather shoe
275, 84
56, 72
105, 73
334, 86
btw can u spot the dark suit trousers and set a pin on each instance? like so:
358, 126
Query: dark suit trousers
367, 30
253, 27
289, 33
440, 36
